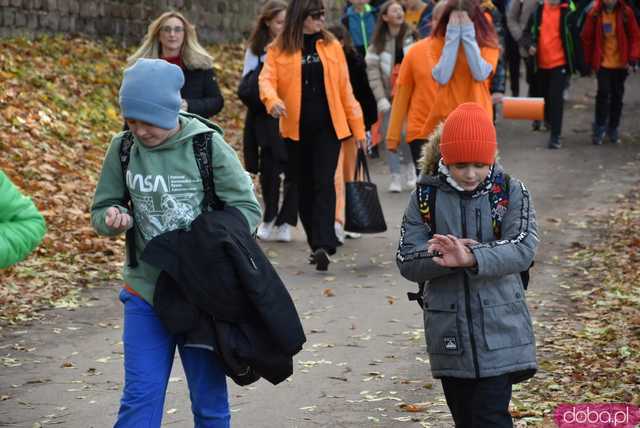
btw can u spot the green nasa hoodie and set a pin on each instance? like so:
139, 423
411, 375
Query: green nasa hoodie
166, 189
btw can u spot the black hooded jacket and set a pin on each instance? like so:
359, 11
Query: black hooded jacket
219, 290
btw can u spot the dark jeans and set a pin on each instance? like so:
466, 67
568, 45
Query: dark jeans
609, 97
270, 170
531, 78
512, 53
479, 403
313, 162
551, 84
416, 152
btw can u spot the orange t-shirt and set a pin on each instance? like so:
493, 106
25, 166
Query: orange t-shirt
462, 88
610, 51
550, 49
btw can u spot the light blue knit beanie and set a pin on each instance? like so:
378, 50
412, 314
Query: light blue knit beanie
150, 92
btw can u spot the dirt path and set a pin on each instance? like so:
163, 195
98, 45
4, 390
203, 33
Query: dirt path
365, 352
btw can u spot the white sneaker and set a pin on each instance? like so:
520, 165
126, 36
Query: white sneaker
411, 176
265, 230
282, 233
396, 184
340, 233
352, 235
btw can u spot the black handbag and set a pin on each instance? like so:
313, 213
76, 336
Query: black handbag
249, 91
363, 210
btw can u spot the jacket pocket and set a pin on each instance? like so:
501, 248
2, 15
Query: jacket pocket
506, 325
441, 328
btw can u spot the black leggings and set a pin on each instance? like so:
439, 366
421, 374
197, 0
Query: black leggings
270, 181
609, 97
551, 84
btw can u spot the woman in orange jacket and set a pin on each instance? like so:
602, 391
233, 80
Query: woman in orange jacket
415, 91
465, 50
305, 83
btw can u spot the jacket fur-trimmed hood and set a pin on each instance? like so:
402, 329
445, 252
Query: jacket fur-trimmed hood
430, 155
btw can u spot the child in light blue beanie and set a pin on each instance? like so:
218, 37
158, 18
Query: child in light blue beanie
162, 190
150, 92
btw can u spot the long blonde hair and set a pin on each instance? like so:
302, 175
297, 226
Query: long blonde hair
194, 56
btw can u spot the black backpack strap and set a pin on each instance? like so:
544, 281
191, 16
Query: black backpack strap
426, 195
126, 143
418, 297
499, 201
203, 151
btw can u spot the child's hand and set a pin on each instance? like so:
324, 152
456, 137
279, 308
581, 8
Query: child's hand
117, 220
455, 252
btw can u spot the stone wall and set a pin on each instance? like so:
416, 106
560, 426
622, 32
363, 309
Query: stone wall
123, 20
126, 21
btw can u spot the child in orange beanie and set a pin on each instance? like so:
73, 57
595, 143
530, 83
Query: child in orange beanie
468, 238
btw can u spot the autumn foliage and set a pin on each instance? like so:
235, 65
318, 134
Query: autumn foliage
58, 111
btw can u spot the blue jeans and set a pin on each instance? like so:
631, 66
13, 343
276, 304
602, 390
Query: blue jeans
148, 357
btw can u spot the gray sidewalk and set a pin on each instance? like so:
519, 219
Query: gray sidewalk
365, 352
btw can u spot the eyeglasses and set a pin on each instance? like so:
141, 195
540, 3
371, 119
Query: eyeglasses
317, 14
168, 29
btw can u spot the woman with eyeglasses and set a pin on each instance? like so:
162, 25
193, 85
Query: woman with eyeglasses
173, 38
305, 83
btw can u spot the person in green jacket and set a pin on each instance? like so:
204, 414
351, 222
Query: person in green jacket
22, 227
166, 189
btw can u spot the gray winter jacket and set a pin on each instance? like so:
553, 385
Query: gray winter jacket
477, 323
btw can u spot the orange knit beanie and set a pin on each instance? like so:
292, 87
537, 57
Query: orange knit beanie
468, 136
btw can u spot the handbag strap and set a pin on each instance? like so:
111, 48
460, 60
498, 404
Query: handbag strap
361, 166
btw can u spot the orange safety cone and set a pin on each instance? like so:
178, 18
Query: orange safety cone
524, 108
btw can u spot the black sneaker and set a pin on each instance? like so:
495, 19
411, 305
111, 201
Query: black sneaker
614, 135
598, 135
535, 125
321, 259
554, 142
